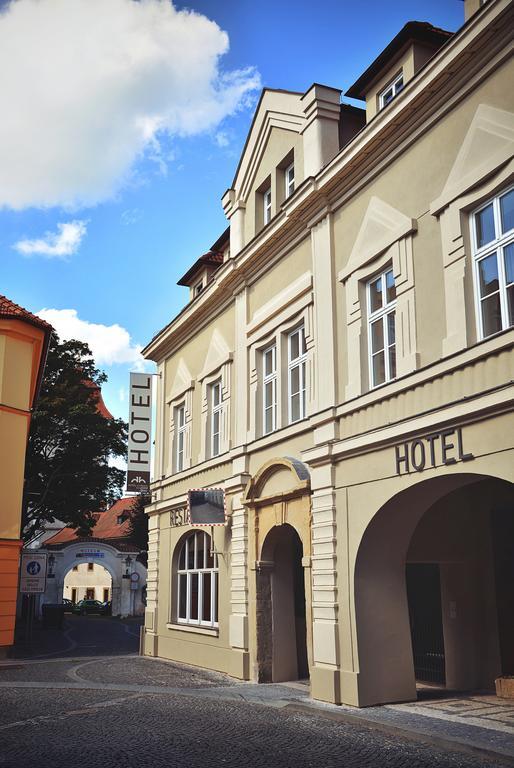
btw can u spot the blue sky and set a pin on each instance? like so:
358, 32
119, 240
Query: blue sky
141, 227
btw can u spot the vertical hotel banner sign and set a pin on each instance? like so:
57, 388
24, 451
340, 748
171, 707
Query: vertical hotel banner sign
140, 433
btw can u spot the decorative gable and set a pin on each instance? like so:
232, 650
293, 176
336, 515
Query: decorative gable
382, 226
488, 144
217, 355
182, 381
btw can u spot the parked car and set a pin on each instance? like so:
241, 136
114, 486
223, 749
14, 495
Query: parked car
89, 606
68, 605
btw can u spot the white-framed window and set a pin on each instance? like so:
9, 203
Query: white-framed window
381, 296
266, 204
492, 237
198, 288
197, 581
296, 364
289, 180
216, 406
180, 435
391, 91
269, 389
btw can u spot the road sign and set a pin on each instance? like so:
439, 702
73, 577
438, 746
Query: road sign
33, 574
134, 576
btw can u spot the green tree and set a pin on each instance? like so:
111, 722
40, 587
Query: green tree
139, 525
67, 474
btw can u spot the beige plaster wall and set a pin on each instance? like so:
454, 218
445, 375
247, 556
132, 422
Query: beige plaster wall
279, 144
410, 184
279, 276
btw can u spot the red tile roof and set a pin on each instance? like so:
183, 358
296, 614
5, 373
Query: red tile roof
9, 309
100, 405
106, 526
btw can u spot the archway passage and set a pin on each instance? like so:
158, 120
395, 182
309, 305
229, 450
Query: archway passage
281, 608
87, 581
436, 604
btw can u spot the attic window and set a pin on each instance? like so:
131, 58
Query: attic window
391, 91
121, 519
266, 198
198, 288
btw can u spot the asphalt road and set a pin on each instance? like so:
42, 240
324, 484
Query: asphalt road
96, 705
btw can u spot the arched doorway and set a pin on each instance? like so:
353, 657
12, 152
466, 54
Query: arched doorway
281, 608
87, 581
434, 597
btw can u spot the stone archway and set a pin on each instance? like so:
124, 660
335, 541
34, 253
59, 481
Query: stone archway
279, 521
444, 521
110, 558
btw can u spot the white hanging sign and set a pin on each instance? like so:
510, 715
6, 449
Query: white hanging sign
139, 433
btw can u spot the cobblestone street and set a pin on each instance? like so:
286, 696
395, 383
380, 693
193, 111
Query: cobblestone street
74, 706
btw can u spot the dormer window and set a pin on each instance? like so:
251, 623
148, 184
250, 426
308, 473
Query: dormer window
391, 91
289, 180
266, 202
198, 288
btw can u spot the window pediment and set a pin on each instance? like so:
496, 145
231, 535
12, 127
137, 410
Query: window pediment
217, 355
382, 226
488, 144
181, 383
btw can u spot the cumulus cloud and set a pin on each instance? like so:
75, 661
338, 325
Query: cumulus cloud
109, 344
89, 87
55, 245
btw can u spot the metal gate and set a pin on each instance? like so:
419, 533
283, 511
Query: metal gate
426, 621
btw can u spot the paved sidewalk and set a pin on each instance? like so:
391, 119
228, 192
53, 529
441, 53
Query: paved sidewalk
479, 730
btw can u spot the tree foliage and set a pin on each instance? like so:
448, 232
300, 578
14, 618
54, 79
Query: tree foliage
67, 474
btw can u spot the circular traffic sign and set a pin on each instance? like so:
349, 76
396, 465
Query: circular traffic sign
33, 567
134, 576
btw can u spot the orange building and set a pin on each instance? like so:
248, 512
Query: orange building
24, 342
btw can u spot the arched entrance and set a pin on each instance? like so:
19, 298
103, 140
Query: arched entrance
87, 581
278, 499
434, 594
281, 608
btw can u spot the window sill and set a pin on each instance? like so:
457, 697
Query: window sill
197, 630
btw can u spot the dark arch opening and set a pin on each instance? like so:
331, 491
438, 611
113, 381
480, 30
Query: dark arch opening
281, 608
448, 539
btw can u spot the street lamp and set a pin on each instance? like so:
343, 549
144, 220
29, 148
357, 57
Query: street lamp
51, 562
128, 561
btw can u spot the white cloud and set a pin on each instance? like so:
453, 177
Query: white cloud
55, 245
131, 216
109, 344
89, 87
221, 139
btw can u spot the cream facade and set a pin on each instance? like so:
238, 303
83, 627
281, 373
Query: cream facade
345, 375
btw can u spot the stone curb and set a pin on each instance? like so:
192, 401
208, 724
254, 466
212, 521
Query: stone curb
426, 736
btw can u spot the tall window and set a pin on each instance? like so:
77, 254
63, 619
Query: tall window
91, 566
269, 395
381, 328
216, 405
297, 357
266, 202
493, 248
197, 581
180, 432
391, 91
289, 180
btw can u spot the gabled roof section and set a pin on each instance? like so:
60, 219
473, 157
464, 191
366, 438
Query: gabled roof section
106, 525
413, 31
11, 310
276, 108
213, 258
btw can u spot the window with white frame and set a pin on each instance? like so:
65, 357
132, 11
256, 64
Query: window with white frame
198, 288
269, 389
381, 294
391, 91
266, 203
216, 406
296, 358
493, 249
180, 434
289, 180
197, 581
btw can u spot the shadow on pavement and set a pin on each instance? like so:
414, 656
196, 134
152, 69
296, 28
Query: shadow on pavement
79, 636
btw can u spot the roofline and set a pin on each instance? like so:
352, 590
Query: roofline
421, 31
